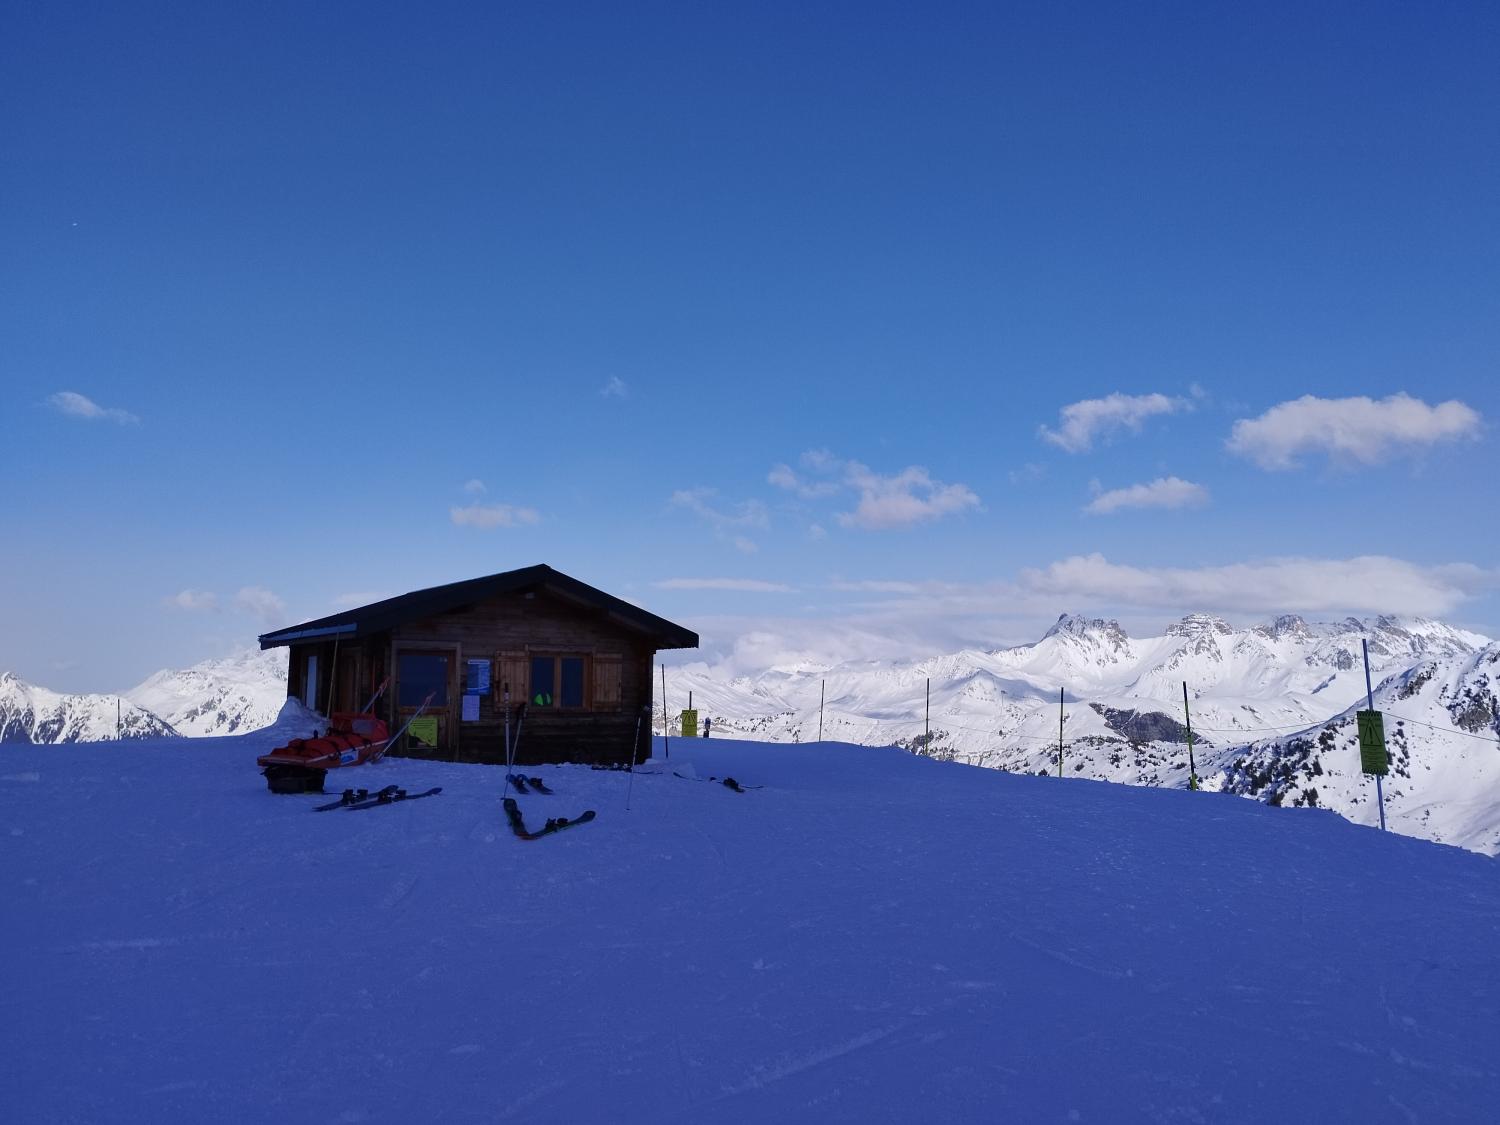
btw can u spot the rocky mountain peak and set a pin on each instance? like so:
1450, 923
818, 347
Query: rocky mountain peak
1199, 625
1108, 633
1286, 625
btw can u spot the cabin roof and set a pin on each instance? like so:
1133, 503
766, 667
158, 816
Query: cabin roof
381, 616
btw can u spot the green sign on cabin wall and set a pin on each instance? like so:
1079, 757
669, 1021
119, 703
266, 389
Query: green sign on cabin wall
424, 730
1372, 755
689, 724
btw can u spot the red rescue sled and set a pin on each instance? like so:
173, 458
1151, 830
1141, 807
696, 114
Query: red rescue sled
352, 740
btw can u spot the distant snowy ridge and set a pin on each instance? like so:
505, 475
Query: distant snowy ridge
1442, 725
240, 693
1122, 716
1281, 676
30, 714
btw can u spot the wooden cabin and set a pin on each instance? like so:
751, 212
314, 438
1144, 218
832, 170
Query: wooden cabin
579, 658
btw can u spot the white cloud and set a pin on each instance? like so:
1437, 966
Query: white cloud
743, 585
728, 525
749, 645
910, 497
615, 388
911, 619
1367, 584
1164, 492
1082, 422
261, 603
1362, 429
76, 405
875, 586
750, 513
193, 600
817, 461
489, 516
475, 487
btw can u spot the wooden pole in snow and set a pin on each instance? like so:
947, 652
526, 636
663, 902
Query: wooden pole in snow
1059, 732
666, 721
822, 691
927, 722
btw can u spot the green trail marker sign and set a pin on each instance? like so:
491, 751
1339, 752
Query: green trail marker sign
689, 723
424, 730
1372, 755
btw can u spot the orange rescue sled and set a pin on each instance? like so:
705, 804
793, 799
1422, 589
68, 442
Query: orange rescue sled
301, 765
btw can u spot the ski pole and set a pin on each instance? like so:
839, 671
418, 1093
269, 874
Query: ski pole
630, 784
506, 689
395, 737
515, 746
378, 693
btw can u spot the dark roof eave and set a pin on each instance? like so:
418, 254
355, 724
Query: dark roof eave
380, 616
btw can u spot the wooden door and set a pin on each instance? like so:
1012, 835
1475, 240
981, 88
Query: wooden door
421, 673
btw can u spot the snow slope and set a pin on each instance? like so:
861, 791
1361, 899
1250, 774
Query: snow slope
31, 714
872, 937
1442, 722
239, 693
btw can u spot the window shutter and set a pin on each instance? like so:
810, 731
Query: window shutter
513, 671
607, 681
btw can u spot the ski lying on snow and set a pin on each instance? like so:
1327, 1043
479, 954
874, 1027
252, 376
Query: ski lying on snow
390, 795
354, 796
554, 824
727, 782
393, 798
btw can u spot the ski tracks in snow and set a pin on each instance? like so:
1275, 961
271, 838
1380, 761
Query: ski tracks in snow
787, 1066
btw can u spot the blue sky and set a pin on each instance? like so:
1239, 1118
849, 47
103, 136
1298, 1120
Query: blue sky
832, 330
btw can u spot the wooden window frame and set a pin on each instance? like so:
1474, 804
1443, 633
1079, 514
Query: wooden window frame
557, 656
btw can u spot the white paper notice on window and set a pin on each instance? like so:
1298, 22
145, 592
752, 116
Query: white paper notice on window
471, 709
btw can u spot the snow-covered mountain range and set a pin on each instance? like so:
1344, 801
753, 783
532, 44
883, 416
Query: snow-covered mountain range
1257, 696
30, 714
239, 693
1242, 683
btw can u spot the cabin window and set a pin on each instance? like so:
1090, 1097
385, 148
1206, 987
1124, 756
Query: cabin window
419, 673
557, 681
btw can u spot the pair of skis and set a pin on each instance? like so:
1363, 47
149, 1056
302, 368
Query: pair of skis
521, 782
364, 799
554, 824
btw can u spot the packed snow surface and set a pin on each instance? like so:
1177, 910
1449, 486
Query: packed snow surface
870, 937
